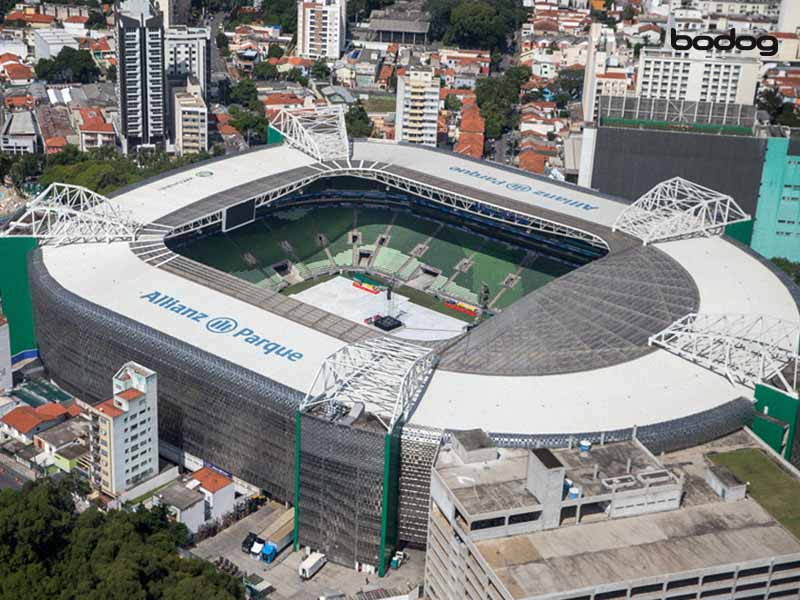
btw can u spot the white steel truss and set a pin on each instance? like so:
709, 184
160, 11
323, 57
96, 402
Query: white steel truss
678, 208
66, 214
380, 172
747, 349
386, 374
320, 132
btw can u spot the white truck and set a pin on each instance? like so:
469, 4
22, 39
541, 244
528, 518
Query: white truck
312, 563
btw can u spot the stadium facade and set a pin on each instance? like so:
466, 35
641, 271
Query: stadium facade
294, 399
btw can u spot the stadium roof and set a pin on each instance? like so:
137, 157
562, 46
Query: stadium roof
572, 356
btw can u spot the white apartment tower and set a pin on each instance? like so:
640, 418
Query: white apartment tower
321, 28
123, 439
191, 119
188, 52
697, 75
6, 380
140, 83
417, 109
789, 20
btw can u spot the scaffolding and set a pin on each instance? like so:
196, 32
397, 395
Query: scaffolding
678, 208
320, 131
747, 349
68, 214
385, 374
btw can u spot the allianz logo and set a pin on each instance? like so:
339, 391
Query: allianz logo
222, 325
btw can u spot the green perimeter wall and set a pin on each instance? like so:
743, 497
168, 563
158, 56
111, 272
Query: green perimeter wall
781, 407
391, 484
741, 232
274, 136
15, 292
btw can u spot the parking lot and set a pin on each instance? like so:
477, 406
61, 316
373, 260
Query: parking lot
282, 573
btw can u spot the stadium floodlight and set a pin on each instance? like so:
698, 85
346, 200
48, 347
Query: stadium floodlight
320, 131
747, 349
678, 208
386, 374
66, 214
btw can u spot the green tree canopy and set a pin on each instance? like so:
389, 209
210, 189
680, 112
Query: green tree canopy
275, 51
244, 93
70, 66
280, 12
49, 551
264, 71
792, 269
320, 70
358, 123
452, 103
480, 24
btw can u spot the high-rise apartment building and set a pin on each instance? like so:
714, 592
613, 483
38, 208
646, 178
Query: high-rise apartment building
321, 28
123, 439
140, 80
175, 12
789, 19
188, 52
6, 382
191, 119
697, 75
417, 108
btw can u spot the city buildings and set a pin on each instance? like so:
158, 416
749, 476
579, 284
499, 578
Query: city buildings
19, 133
95, 130
697, 76
140, 83
6, 381
175, 12
789, 19
124, 434
604, 521
49, 42
417, 109
321, 28
188, 52
191, 119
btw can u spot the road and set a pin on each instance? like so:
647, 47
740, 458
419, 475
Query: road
218, 66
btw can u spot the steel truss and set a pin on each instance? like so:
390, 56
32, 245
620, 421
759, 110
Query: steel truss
66, 214
379, 172
386, 374
320, 131
747, 349
678, 208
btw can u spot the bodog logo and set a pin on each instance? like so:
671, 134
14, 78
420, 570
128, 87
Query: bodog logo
766, 44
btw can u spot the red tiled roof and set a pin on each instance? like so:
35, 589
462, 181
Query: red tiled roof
22, 418
54, 144
9, 57
470, 144
10, 101
29, 18
107, 408
93, 121
274, 99
532, 162
73, 410
17, 71
211, 480
51, 411
471, 119
130, 394
76, 19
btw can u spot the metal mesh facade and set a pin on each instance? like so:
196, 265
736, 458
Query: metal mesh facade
214, 409
340, 499
418, 449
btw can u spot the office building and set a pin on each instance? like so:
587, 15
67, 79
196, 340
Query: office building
321, 28
175, 12
191, 119
696, 75
140, 83
601, 522
123, 439
188, 52
48, 43
789, 20
417, 109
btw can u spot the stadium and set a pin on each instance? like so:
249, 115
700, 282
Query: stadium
538, 311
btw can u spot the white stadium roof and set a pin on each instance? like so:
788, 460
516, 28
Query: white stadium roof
652, 388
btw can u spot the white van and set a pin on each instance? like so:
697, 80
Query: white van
311, 565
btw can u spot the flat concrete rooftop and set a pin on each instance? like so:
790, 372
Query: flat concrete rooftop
699, 537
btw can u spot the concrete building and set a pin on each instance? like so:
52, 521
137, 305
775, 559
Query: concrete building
600, 523
217, 490
25, 422
95, 130
48, 43
184, 505
789, 19
124, 434
697, 76
19, 133
417, 108
140, 84
191, 119
188, 52
6, 382
175, 12
74, 431
321, 28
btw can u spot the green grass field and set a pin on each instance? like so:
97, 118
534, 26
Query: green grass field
770, 486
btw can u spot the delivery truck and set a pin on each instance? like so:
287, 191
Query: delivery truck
313, 563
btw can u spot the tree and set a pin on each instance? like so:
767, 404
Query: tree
111, 73
357, 121
792, 269
264, 71
452, 103
252, 125
275, 51
297, 76
244, 93
475, 25
320, 70
70, 66
97, 20
280, 12
789, 117
222, 42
